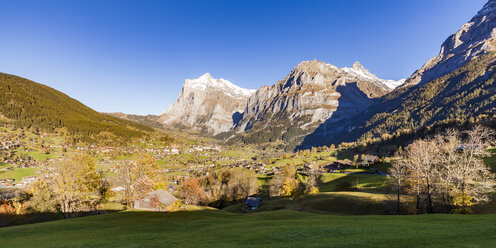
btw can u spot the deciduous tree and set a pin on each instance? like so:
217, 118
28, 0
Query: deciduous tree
285, 182
398, 173
191, 191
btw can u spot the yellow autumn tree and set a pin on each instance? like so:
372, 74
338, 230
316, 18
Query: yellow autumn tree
285, 182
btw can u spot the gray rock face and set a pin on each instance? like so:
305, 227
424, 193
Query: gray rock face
312, 93
474, 39
206, 104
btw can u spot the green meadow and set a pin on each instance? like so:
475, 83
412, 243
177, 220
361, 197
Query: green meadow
18, 173
214, 228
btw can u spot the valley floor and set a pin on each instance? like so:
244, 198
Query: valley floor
214, 228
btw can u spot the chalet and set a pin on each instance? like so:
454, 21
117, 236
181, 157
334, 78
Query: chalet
370, 159
252, 203
337, 165
158, 200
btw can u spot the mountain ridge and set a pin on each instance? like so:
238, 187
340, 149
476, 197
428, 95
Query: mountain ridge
475, 38
310, 94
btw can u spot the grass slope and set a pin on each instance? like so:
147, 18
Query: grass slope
18, 174
343, 203
210, 228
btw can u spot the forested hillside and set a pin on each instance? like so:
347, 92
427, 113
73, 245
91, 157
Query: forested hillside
32, 105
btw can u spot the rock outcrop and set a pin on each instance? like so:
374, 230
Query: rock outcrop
207, 104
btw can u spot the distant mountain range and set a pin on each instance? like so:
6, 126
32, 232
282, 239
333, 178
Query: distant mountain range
321, 104
287, 110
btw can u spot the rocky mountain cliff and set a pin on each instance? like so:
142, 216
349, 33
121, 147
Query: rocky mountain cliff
457, 85
312, 93
207, 104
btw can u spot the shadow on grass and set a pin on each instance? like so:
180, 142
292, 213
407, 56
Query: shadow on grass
23, 219
342, 203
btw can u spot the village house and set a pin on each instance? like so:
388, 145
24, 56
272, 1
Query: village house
336, 165
158, 200
370, 159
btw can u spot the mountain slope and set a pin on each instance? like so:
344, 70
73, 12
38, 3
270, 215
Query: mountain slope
207, 104
29, 104
456, 85
475, 38
312, 93
147, 120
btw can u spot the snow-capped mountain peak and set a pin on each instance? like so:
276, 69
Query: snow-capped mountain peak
208, 104
358, 70
206, 80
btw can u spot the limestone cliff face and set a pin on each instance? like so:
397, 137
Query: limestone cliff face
474, 39
312, 93
206, 104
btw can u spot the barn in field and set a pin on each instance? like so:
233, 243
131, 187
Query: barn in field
252, 203
158, 200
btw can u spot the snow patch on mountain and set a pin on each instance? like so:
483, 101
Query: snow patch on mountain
206, 104
205, 81
359, 71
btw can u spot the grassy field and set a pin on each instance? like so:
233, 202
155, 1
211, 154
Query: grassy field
212, 228
320, 158
36, 155
364, 182
18, 173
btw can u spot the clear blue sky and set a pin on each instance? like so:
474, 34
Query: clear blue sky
133, 56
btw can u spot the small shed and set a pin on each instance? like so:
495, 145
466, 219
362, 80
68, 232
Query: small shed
158, 200
253, 203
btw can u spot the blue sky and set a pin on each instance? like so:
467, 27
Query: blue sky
133, 56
